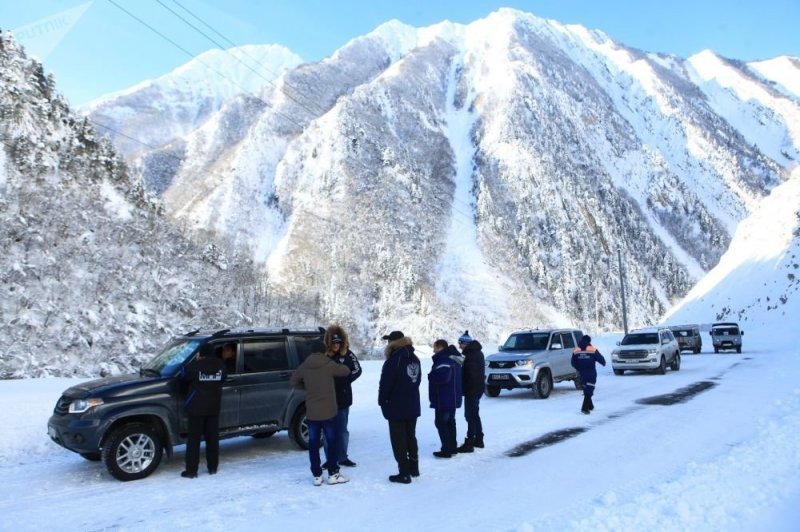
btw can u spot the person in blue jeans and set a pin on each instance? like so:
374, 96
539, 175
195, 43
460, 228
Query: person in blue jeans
474, 379
315, 375
338, 349
445, 394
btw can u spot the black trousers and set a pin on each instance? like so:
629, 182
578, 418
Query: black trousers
403, 435
208, 428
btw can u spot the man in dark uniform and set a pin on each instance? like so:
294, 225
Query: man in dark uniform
474, 376
204, 376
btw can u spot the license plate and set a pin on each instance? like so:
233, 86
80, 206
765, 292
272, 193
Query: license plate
500, 377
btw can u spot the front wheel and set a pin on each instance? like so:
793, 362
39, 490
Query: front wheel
738, 349
132, 451
577, 382
299, 428
662, 367
492, 391
619, 371
543, 385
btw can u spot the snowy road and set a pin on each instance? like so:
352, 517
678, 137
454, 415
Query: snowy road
726, 458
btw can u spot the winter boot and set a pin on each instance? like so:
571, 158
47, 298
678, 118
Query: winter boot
413, 467
468, 447
479, 441
442, 454
585, 407
400, 478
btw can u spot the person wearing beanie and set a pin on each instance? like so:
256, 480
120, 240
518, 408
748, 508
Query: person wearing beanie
398, 397
474, 380
584, 359
337, 347
204, 377
445, 394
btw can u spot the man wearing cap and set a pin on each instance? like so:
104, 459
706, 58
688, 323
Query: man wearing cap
474, 380
398, 397
337, 348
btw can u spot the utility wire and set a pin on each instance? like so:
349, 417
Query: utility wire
320, 109
212, 69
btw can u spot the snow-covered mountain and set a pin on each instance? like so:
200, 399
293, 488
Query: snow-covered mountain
757, 281
157, 112
94, 277
486, 175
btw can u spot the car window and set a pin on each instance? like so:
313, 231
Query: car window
526, 341
265, 355
640, 338
567, 341
306, 345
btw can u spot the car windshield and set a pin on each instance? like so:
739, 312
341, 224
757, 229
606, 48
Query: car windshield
640, 338
526, 342
172, 356
682, 332
725, 330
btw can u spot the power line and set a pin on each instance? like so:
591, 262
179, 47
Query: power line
320, 109
190, 54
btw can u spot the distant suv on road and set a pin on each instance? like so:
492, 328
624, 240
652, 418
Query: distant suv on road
726, 336
650, 348
128, 421
535, 359
688, 337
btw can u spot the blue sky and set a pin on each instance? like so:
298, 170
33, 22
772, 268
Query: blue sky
93, 47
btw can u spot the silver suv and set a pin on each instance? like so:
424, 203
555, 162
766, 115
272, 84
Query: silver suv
651, 348
534, 358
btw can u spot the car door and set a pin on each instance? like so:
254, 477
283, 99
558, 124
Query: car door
264, 381
565, 358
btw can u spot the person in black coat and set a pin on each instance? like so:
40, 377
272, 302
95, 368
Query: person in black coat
204, 377
337, 347
398, 397
474, 385
584, 359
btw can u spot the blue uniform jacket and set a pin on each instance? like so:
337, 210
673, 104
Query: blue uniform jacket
584, 361
445, 380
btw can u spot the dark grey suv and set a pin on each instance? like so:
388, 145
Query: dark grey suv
129, 421
688, 337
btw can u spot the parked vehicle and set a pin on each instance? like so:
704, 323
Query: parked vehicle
649, 349
726, 336
129, 421
688, 337
536, 359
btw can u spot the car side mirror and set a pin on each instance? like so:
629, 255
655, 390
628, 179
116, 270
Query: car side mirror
741, 333
501, 348
618, 342
556, 346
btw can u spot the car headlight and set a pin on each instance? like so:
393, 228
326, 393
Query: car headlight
652, 351
79, 406
524, 363
615, 353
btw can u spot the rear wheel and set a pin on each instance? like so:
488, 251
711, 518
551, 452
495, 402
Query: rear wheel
543, 385
132, 451
299, 428
492, 391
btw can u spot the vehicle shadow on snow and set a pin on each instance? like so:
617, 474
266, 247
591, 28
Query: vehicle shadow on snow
680, 395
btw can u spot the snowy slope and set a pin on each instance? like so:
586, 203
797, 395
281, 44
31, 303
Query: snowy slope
757, 281
156, 112
783, 72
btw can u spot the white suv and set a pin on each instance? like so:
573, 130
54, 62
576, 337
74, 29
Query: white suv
535, 359
651, 348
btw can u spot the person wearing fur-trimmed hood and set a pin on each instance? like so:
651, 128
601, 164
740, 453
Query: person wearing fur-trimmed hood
398, 397
337, 347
